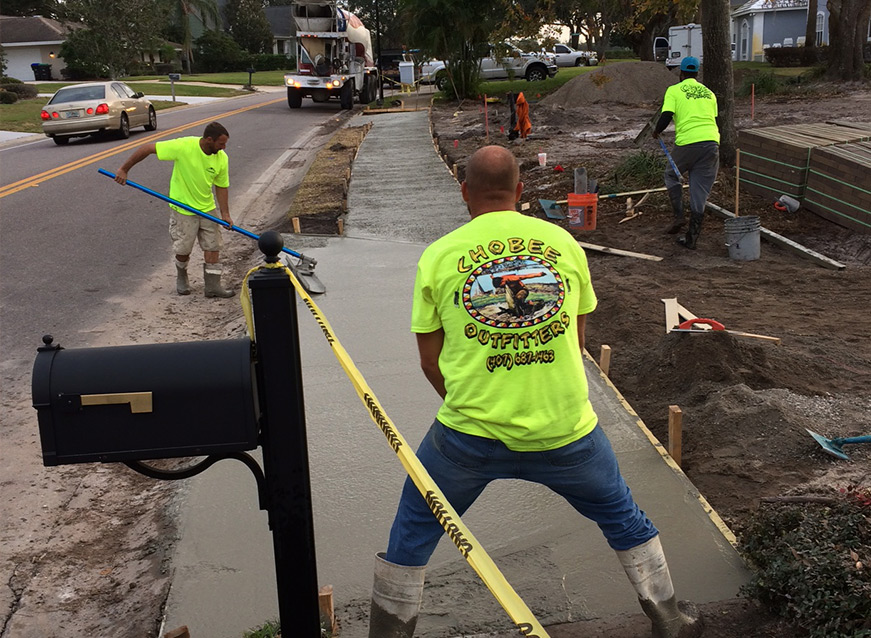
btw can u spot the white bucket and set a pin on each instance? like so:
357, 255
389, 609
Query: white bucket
742, 238
542, 159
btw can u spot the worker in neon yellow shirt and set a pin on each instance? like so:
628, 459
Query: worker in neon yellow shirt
199, 164
693, 106
496, 362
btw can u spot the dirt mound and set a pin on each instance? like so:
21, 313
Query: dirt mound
630, 83
682, 362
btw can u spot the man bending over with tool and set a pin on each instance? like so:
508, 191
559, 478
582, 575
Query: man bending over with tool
696, 147
198, 164
505, 421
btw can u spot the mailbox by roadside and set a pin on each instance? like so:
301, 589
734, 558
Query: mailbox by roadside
217, 398
139, 402
173, 78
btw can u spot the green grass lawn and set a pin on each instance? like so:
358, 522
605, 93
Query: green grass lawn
23, 116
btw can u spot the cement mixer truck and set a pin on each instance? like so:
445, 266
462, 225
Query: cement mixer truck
333, 56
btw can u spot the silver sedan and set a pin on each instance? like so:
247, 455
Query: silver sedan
95, 107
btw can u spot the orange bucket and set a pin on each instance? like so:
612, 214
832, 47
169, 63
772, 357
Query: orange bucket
582, 210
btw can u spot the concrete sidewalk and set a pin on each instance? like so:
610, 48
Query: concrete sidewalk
401, 198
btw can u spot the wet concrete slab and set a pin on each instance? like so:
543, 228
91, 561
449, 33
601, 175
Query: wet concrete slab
556, 560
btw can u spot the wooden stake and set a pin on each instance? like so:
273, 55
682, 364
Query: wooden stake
454, 171
325, 604
675, 416
295, 222
737, 177
605, 359
341, 224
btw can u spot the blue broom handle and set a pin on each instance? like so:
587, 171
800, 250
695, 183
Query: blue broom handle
668, 155
854, 439
174, 202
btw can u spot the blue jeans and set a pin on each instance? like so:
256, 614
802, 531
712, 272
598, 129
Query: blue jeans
585, 473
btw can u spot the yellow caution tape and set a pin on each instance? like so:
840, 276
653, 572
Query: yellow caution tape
456, 530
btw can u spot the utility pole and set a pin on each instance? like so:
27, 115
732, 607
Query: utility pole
378, 53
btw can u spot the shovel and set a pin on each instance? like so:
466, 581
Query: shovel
834, 446
303, 270
552, 209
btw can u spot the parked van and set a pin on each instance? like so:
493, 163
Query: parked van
682, 41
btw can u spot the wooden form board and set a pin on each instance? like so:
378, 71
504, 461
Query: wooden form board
839, 184
775, 159
617, 251
676, 313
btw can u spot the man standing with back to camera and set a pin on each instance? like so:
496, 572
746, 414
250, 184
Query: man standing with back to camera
198, 164
500, 417
693, 106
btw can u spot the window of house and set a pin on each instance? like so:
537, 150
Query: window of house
821, 25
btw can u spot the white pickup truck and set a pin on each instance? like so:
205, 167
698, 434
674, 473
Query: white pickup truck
567, 56
513, 64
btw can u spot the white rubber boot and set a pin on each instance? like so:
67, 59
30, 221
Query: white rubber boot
396, 596
182, 285
647, 570
212, 277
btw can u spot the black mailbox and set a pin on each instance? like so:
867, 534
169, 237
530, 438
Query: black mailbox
175, 77
128, 403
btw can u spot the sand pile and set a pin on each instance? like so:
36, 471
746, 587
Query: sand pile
632, 83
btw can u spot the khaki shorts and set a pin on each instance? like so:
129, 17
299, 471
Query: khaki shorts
186, 229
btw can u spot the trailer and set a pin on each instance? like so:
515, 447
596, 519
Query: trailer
333, 56
682, 41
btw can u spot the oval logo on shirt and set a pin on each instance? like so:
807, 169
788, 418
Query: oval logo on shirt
513, 292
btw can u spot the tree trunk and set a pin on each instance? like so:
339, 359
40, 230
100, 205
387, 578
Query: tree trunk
810, 32
717, 72
848, 25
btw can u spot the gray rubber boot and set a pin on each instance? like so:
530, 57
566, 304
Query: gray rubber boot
396, 596
647, 570
182, 285
675, 196
212, 277
692, 236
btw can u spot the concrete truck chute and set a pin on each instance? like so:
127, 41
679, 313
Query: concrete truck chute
333, 56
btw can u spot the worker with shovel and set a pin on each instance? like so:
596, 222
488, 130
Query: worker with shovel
693, 107
500, 417
198, 164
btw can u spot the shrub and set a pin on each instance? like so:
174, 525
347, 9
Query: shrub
796, 56
765, 84
217, 52
812, 563
23, 91
272, 62
639, 169
7, 80
7, 97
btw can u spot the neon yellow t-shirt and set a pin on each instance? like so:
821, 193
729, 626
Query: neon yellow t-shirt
695, 110
193, 173
507, 290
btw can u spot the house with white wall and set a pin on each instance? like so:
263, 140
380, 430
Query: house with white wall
759, 24
34, 40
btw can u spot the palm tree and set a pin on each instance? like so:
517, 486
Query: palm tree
204, 10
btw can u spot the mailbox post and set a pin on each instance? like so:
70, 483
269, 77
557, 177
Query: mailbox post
285, 446
218, 398
173, 77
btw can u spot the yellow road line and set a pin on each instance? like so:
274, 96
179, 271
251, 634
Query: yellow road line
36, 180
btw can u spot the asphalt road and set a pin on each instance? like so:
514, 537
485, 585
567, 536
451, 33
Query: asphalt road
72, 239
